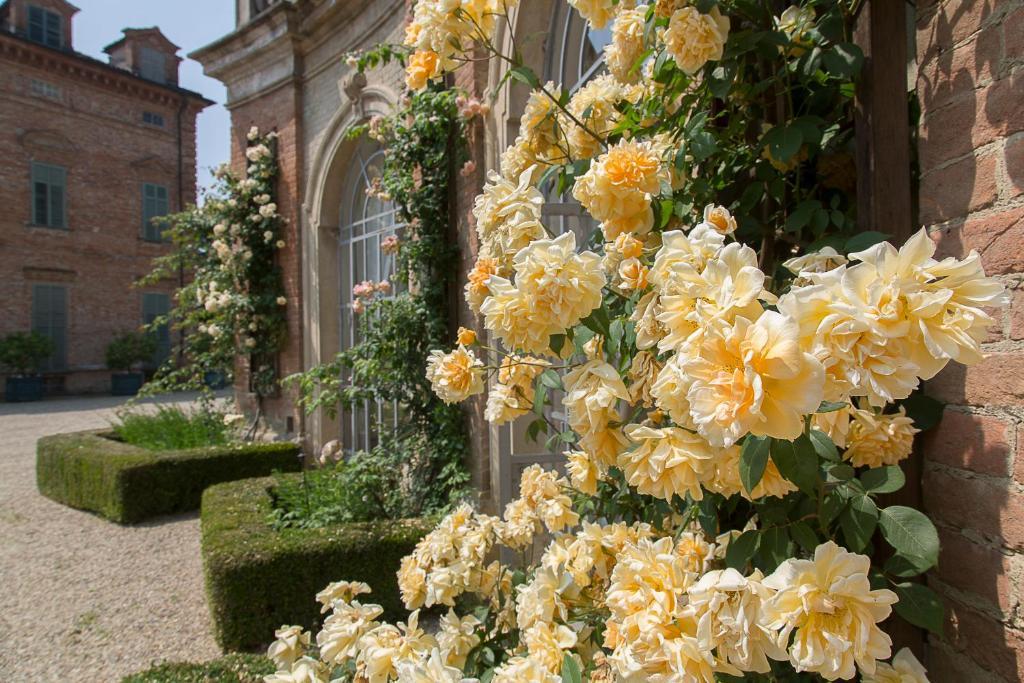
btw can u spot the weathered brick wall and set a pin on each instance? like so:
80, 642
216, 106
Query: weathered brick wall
971, 86
92, 126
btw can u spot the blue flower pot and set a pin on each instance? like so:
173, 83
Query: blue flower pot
126, 383
23, 389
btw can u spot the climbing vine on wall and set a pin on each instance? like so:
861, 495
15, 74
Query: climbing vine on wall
233, 302
398, 331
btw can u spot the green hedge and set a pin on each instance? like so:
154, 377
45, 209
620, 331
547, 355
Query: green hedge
126, 484
229, 669
258, 579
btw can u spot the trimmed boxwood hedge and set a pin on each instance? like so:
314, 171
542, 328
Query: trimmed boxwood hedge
126, 484
258, 578
236, 668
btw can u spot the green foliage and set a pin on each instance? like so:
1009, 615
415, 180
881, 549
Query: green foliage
231, 306
126, 484
173, 428
258, 578
234, 668
130, 349
23, 352
398, 333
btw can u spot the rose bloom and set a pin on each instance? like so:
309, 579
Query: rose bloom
512, 395
390, 244
827, 604
719, 218
521, 669
627, 46
694, 250
633, 274
594, 106
583, 472
627, 246
618, 187
423, 66
878, 439
694, 39
728, 605
340, 590
821, 261
726, 479
466, 337
385, 646
305, 670
538, 126
291, 644
649, 331
669, 391
643, 372
455, 376
457, 637
476, 286
751, 377
667, 462
599, 12
904, 669
338, 640
430, 670
592, 393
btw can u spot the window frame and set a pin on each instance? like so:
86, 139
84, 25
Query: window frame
43, 31
148, 224
58, 360
164, 343
154, 119
36, 169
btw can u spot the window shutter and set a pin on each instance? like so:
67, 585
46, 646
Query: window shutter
36, 24
53, 30
58, 180
48, 192
155, 305
49, 318
154, 205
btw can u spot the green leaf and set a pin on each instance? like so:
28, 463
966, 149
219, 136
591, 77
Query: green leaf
526, 75
571, 670
906, 566
557, 343
797, 462
774, 547
910, 532
823, 445
920, 606
831, 406
883, 479
843, 60
858, 522
783, 142
551, 380
540, 396
804, 535
741, 549
753, 460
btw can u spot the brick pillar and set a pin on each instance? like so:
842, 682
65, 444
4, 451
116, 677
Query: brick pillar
971, 89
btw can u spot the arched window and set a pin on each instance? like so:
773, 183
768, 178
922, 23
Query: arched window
576, 51
365, 222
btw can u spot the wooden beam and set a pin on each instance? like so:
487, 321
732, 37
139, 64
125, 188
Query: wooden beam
882, 121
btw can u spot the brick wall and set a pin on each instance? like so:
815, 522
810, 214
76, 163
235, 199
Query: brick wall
971, 88
90, 122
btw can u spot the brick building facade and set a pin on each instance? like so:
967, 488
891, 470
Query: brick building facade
91, 151
284, 69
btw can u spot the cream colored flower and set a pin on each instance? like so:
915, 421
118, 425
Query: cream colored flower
904, 669
694, 39
667, 462
644, 370
508, 217
341, 590
457, 637
455, 376
648, 577
670, 389
554, 289
423, 66
599, 12
476, 286
291, 644
338, 640
821, 261
382, 649
694, 250
305, 670
878, 439
627, 246
728, 605
751, 377
512, 395
720, 219
593, 391
430, 670
540, 128
466, 337
618, 188
583, 472
524, 670
623, 53
829, 608
649, 331
547, 643
594, 106
632, 275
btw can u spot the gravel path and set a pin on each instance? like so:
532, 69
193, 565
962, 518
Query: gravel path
84, 599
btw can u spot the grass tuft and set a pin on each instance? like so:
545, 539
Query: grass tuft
172, 428
236, 668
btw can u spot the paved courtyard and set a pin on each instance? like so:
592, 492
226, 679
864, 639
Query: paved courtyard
84, 599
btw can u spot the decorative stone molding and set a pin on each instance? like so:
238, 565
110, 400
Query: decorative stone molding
352, 87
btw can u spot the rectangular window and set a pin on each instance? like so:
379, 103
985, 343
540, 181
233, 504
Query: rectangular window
44, 89
154, 208
45, 27
49, 185
152, 65
153, 119
155, 305
50, 319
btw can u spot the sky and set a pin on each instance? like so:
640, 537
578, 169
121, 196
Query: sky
189, 24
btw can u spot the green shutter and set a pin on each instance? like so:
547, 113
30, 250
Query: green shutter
45, 27
155, 305
50, 318
48, 192
154, 205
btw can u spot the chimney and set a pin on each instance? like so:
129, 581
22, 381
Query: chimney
147, 53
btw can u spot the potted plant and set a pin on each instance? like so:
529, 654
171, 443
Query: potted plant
21, 354
125, 355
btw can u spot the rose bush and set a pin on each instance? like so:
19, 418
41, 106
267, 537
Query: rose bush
738, 371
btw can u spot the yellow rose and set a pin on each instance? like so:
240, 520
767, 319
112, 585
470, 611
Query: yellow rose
719, 218
904, 669
877, 439
667, 462
466, 337
455, 376
423, 66
694, 39
627, 45
583, 472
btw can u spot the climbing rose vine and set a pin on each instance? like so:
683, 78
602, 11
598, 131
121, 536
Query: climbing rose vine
738, 370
